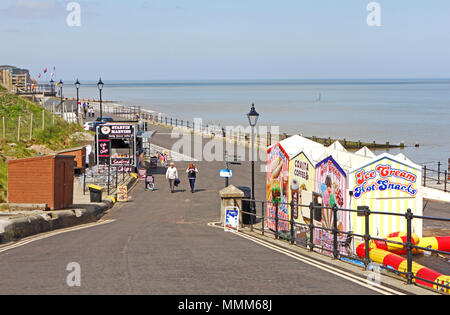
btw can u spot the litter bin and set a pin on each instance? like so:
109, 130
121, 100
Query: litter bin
153, 162
95, 193
247, 206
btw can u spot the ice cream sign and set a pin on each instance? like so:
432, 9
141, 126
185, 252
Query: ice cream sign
384, 178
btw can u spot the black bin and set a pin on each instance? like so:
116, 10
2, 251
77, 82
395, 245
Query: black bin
153, 162
95, 193
247, 206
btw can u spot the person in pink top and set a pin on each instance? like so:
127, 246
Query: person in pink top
327, 214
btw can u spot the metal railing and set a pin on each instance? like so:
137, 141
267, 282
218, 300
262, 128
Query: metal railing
342, 241
106, 176
436, 177
211, 130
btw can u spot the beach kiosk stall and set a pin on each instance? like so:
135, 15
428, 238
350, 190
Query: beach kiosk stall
116, 145
331, 184
290, 177
386, 183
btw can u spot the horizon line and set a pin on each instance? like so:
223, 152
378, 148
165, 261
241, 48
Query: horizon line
259, 79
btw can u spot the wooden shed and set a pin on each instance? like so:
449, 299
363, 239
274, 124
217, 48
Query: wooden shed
42, 180
80, 156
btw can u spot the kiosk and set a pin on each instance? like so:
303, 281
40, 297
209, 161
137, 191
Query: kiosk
116, 145
290, 177
331, 184
388, 184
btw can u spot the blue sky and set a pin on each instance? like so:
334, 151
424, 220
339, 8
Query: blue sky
227, 39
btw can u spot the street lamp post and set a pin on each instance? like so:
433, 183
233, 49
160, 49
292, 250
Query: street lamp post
52, 86
253, 119
61, 94
100, 88
77, 85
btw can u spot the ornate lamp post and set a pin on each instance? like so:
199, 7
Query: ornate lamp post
253, 119
100, 88
77, 85
60, 84
52, 86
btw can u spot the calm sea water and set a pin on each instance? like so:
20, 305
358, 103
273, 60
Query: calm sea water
413, 111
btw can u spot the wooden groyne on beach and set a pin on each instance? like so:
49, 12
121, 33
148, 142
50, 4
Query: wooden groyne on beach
354, 145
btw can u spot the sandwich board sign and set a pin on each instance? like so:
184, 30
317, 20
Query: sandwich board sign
122, 193
231, 223
149, 182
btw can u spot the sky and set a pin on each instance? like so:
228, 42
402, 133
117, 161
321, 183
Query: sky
227, 39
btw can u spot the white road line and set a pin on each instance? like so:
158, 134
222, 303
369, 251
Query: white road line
338, 272
50, 234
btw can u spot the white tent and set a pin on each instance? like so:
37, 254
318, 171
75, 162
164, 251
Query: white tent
337, 146
317, 152
295, 144
347, 160
365, 151
403, 158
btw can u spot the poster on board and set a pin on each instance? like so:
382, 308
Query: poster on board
231, 223
122, 193
301, 187
277, 187
331, 183
301, 180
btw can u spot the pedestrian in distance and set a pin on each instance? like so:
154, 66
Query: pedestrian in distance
172, 175
192, 172
84, 110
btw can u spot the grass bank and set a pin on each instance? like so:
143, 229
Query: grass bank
25, 125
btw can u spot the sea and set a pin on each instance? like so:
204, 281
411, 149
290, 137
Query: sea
413, 111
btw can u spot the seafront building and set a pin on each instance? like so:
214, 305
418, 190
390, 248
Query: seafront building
15, 80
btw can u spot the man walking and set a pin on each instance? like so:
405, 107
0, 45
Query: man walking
172, 175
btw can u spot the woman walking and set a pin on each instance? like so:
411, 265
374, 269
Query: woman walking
192, 175
172, 175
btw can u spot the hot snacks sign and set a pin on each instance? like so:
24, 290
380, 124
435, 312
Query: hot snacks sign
385, 177
387, 183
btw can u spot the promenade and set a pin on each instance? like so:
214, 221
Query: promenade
161, 243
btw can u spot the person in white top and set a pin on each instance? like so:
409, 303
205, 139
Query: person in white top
172, 175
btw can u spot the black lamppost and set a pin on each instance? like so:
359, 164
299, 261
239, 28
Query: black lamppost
77, 85
100, 88
253, 119
52, 86
60, 84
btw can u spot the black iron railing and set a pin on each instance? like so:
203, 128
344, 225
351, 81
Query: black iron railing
341, 240
435, 174
106, 176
